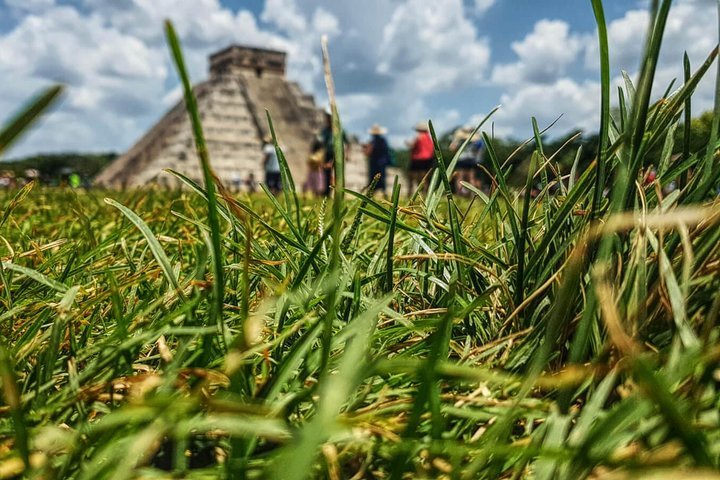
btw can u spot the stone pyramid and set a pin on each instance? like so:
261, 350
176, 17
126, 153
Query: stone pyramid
243, 83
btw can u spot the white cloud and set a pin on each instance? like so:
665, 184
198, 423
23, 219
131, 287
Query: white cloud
544, 55
686, 30
576, 102
30, 5
482, 6
626, 40
539, 83
285, 14
113, 59
435, 44
303, 31
387, 57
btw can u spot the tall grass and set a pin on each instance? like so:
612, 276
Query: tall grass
568, 335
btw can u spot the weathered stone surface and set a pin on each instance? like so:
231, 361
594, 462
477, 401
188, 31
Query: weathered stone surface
244, 83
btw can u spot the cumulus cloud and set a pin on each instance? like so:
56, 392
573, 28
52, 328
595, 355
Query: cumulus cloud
387, 57
302, 26
434, 43
113, 59
575, 103
543, 55
686, 31
482, 6
544, 82
30, 5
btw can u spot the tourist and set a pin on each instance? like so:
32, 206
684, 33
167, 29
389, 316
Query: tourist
378, 153
7, 179
273, 178
74, 180
251, 183
324, 142
482, 178
315, 180
236, 181
422, 155
469, 162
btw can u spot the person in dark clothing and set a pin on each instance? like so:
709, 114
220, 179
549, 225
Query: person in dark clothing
325, 142
378, 153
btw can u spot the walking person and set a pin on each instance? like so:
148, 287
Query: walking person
250, 183
325, 143
315, 179
422, 155
273, 179
481, 179
377, 151
467, 161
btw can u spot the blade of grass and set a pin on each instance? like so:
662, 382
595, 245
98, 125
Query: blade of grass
285, 174
12, 399
29, 114
216, 312
155, 247
602, 166
388, 286
688, 122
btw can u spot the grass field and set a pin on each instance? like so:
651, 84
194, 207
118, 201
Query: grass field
193, 334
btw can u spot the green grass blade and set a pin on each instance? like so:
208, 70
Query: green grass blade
655, 387
285, 174
155, 247
524, 232
19, 196
337, 206
29, 114
389, 270
37, 276
602, 166
688, 122
216, 315
11, 393
294, 463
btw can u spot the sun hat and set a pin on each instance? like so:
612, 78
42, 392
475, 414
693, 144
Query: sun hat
377, 129
421, 127
462, 133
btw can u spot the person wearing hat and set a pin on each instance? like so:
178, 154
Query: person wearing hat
273, 179
377, 151
422, 155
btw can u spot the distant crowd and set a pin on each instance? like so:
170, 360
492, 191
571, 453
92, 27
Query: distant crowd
8, 179
319, 180
469, 172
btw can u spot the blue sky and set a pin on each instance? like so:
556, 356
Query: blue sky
395, 61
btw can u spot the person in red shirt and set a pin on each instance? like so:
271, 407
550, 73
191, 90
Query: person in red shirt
422, 155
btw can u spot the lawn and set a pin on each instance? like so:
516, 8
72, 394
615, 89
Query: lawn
198, 334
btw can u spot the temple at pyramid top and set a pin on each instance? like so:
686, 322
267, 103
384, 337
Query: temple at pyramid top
244, 83
257, 60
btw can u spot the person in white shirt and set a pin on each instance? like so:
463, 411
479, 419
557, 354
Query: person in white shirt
273, 179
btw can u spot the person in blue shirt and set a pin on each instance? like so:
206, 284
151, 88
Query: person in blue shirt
378, 153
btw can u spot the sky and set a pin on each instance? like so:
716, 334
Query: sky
395, 62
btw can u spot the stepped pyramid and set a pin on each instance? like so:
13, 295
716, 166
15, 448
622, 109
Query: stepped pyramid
243, 83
